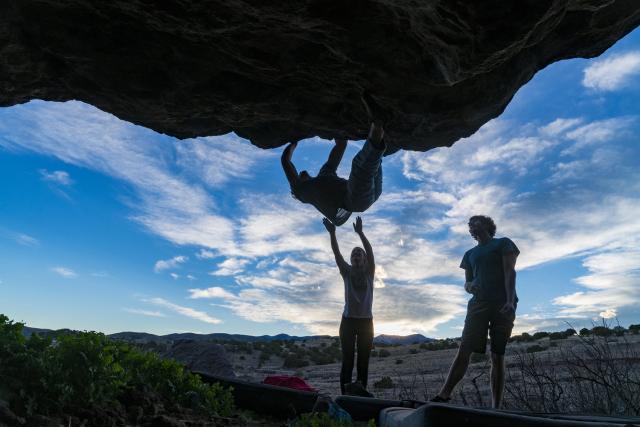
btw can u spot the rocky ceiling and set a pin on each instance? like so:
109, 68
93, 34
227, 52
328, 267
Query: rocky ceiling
275, 71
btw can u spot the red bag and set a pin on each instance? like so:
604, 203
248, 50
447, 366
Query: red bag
289, 382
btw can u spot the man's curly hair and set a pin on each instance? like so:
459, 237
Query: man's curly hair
487, 223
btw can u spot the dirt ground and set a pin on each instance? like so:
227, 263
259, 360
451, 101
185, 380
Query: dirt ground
415, 373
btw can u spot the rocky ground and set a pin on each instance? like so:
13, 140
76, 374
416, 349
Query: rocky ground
417, 373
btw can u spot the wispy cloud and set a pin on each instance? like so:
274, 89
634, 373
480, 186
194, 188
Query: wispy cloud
25, 239
171, 203
278, 253
65, 272
612, 73
144, 312
185, 311
167, 264
591, 189
291, 291
100, 274
611, 283
205, 254
229, 267
56, 177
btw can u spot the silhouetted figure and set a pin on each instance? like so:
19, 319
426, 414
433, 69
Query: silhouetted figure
356, 326
336, 198
491, 277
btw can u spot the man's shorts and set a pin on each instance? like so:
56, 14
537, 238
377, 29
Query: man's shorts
483, 316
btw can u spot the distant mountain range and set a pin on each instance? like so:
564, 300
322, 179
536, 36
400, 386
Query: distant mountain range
143, 336
401, 340
146, 337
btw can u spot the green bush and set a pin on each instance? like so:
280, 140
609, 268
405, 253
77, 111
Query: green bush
619, 331
384, 382
601, 331
47, 376
444, 344
384, 353
294, 360
322, 419
524, 337
540, 335
535, 348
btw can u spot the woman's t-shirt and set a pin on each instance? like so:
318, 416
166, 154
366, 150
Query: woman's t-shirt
358, 294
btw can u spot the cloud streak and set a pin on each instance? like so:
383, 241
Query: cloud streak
185, 311
56, 177
612, 73
168, 264
65, 272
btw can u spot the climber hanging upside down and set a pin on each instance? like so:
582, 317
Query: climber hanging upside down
336, 198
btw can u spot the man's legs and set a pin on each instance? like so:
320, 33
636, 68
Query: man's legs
348, 343
499, 330
497, 379
335, 156
456, 372
365, 180
365, 343
474, 339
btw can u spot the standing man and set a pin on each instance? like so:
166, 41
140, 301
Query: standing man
491, 279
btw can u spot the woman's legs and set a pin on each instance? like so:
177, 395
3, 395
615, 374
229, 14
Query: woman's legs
365, 343
348, 342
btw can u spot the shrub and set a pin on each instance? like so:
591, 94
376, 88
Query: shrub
540, 335
264, 357
384, 382
294, 360
634, 329
601, 331
619, 331
319, 419
444, 344
413, 351
384, 353
39, 376
592, 377
584, 332
535, 348
399, 361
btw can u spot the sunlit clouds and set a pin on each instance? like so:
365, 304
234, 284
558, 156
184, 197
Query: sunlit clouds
613, 72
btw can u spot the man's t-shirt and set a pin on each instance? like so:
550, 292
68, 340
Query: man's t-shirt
358, 294
327, 194
485, 261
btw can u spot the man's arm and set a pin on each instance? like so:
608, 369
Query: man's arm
357, 227
469, 284
509, 266
288, 167
342, 264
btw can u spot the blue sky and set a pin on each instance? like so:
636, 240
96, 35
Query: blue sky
109, 226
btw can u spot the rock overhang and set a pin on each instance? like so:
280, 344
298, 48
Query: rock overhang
274, 72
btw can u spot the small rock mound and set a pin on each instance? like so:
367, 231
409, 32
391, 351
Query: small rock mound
202, 356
